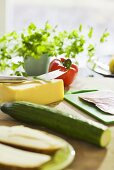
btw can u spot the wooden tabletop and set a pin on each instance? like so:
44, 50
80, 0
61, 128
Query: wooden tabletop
88, 156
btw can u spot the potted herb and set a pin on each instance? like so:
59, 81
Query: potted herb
28, 52
36, 48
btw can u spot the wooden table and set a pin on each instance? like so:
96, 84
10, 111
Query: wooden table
88, 156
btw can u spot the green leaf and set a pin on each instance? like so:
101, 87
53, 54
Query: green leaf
104, 36
91, 51
32, 27
48, 26
18, 73
80, 27
90, 33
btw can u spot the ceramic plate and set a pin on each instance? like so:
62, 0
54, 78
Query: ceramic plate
101, 66
61, 159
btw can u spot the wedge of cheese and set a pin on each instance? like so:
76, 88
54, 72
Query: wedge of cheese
39, 92
12, 158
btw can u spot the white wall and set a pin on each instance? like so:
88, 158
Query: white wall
6, 16
67, 14
2, 16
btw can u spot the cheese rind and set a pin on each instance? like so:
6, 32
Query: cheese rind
39, 92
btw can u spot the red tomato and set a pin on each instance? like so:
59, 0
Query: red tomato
66, 65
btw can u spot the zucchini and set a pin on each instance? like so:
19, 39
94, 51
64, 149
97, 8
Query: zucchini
65, 123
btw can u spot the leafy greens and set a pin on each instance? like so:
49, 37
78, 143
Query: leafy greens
36, 42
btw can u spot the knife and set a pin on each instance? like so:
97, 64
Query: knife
45, 77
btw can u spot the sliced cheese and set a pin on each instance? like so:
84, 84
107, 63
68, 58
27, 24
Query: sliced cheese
30, 139
16, 158
39, 92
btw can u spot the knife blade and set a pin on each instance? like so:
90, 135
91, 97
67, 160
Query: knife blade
45, 77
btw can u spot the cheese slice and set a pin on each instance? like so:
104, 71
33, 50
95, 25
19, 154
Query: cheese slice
39, 92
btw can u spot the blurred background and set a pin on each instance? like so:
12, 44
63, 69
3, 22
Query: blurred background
67, 14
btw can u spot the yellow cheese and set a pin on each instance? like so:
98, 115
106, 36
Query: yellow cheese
35, 91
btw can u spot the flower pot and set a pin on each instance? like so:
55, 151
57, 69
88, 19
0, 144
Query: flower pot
35, 67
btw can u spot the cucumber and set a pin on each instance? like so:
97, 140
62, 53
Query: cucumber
65, 123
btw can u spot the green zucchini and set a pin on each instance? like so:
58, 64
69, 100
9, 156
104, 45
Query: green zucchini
65, 123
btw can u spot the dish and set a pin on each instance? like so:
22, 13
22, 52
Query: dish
49, 152
61, 159
100, 66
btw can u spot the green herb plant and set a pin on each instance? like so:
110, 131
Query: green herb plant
34, 42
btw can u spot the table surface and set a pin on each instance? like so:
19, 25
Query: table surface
88, 156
